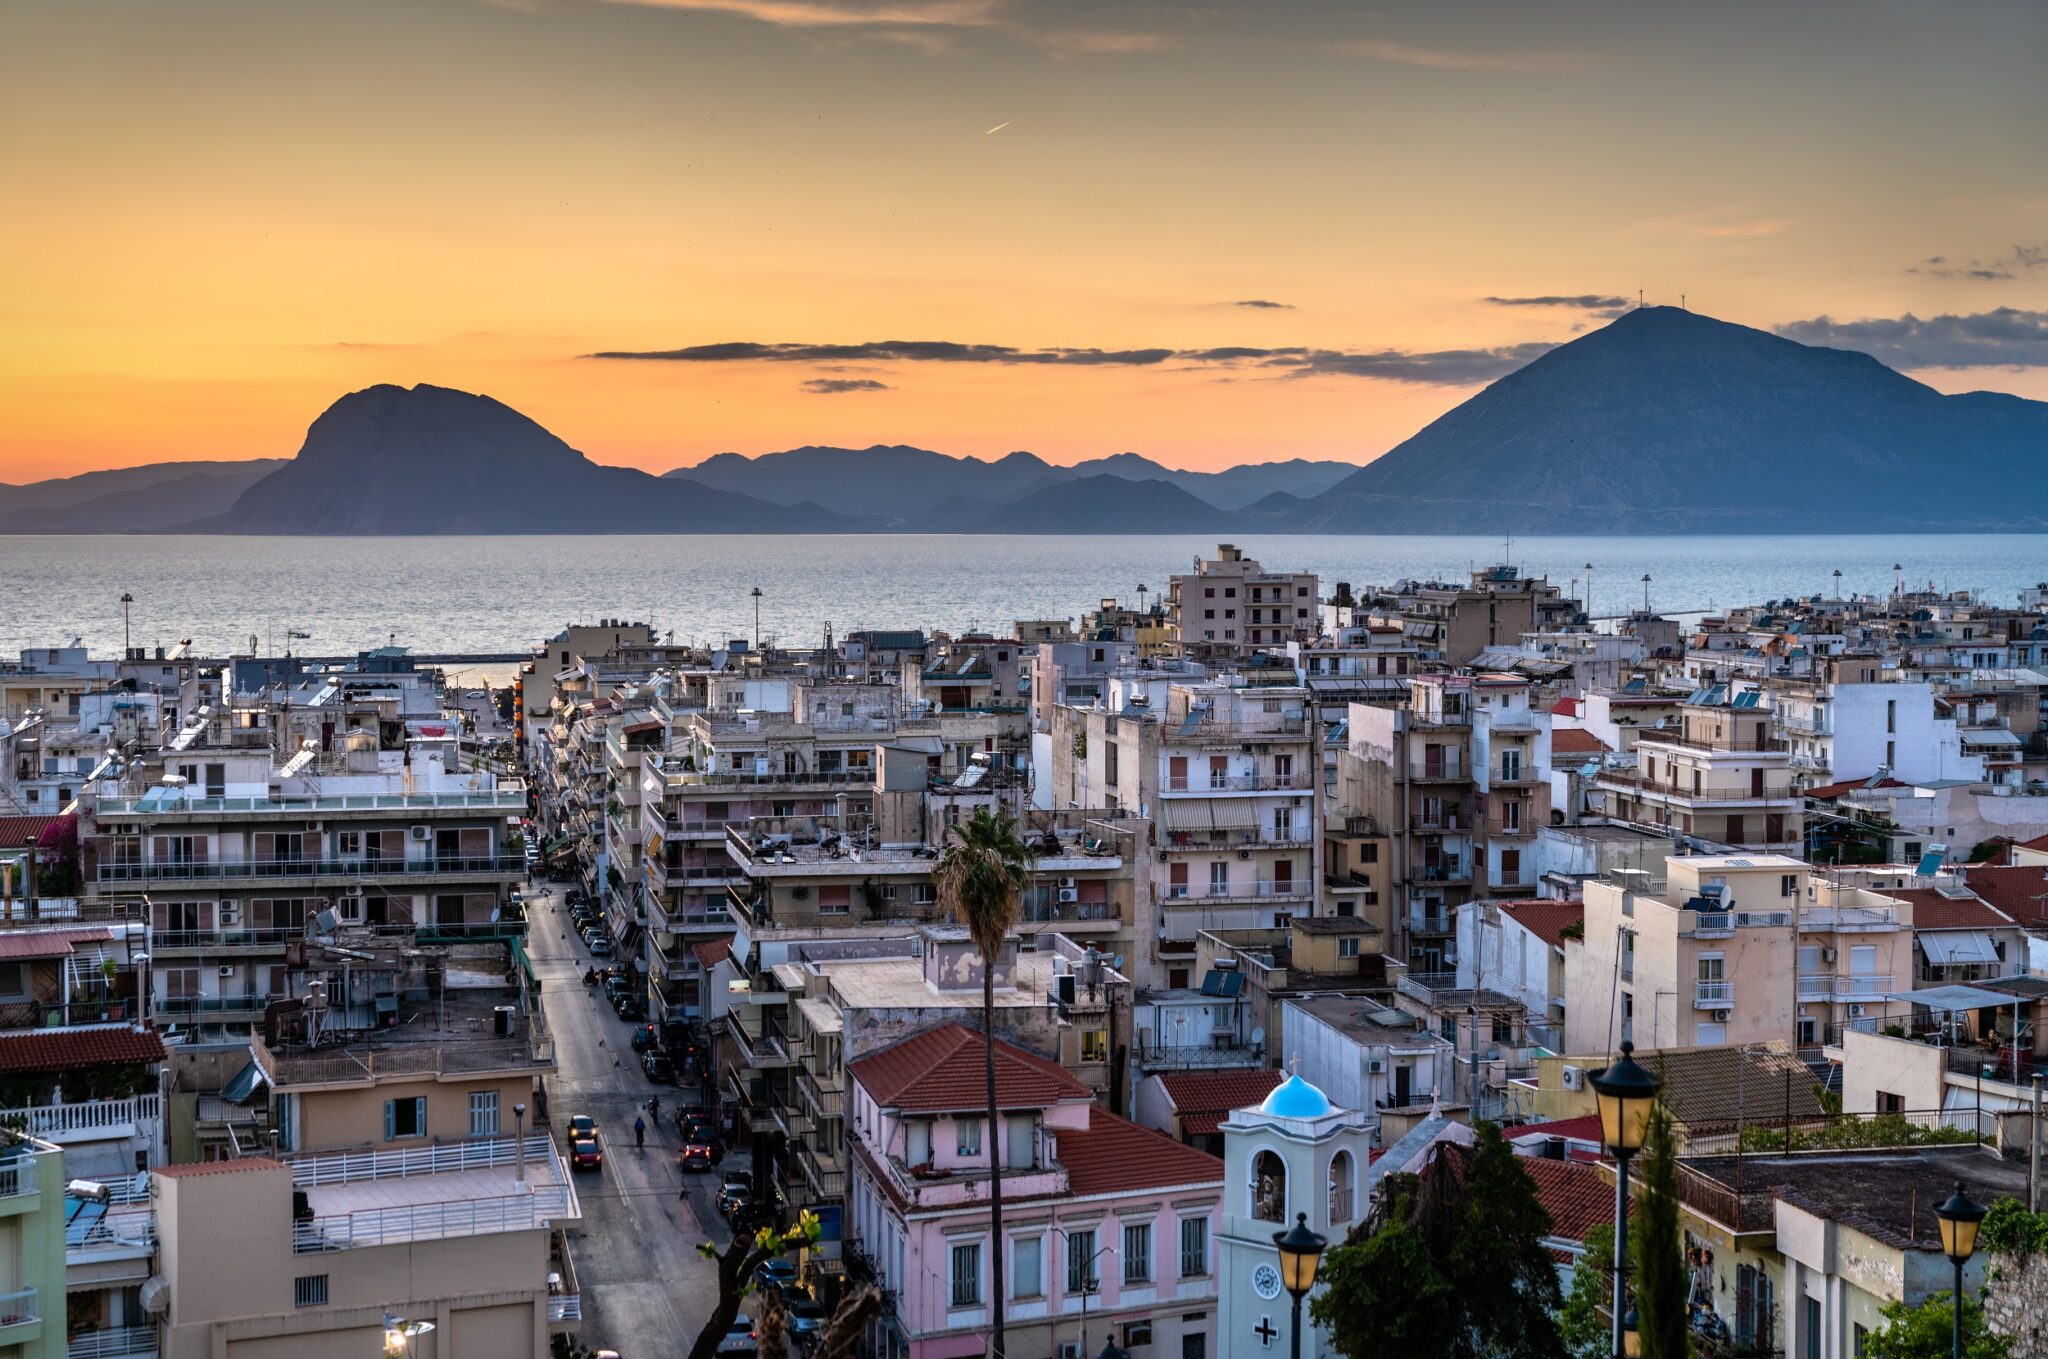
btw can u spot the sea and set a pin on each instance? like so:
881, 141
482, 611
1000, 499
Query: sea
332, 596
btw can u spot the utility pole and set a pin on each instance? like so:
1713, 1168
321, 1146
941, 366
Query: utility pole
127, 645
757, 618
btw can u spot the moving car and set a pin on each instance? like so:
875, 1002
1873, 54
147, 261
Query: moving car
658, 1068
696, 1126
739, 1338
778, 1272
599, 946
807, 1322
696, 1156
582, 1125
585, 1154
734, 1187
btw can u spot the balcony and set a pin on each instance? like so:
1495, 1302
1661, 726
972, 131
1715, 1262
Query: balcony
347, 870
123, 1342
1713, 995
823, 1101
21, 1319
1730, 745
1438, 771
1425, 922
1709, 925
1849, 920
509, 800
1237, 783
1829, 986
1628, 780
1521, 776
1446, 870
87, 1119
1194, 893
823, 1172
163, 943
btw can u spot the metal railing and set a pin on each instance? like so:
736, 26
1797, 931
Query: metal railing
1835, 986
1442, 769
123, 1342
18, 1308
259, 870
17, 1178
1238, 891
1674, 793
510, 800
54, 1120
1713, 995
430, 1221
1236, 783
1711, 925
561, 1307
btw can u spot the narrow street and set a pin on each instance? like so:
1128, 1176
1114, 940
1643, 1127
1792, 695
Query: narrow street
645, 1289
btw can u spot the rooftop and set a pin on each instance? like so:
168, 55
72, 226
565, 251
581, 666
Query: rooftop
1888, 1195
1204, 1098
1117, 1156
459, 1189
1367, 1021
941, 1070
82, 1045
403, 1030
2021, 892
1547, 920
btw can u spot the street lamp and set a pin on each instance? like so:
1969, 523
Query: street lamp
1631, 1336
1112, 1350
1959, 1216
1625, 1093
398, 1334
519, 1141
1301, 1250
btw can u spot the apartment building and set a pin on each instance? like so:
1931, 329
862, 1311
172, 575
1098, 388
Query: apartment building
1369, 1056
330, 1250
1730, 949
32, 1264
1231, 604
1452, 623
1115, 1224
1720, 774
1849, 722
1517, 949
534, 687
1457, 778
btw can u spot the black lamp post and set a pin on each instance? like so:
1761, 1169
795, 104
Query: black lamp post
1959, 1217
1626, 1093
1112, 1350
1301, 1250
1631, 1334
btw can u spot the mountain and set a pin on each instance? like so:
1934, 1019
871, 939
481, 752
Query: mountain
396, 460
1233, 488
1666, 421
129, 499
886, 481
1097, 504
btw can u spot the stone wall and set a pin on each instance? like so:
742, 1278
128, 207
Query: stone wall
2016, 1305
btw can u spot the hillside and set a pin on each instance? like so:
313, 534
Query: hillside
885, 481
1098, 504
396, 460
129, 499
1667, 421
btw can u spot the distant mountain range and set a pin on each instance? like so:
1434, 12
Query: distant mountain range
1664, 421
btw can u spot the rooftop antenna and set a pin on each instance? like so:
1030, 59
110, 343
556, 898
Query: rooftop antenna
1681, 303
1639, 297
1589, 593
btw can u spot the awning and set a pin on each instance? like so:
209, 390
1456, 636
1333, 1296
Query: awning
1186, 814
1233, 813
1946, 947
1990, 736
1955, 998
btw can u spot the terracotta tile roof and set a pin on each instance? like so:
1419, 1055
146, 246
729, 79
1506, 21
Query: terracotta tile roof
87, 1045
1709, 1087
1564, 707
1834, 790
1203, 1099
712, 952
1547, 920
1585, 1128
1116, 1156
198, 1168
1575, 741
21, 945
1933, 911
2038, 842
941, 1069
1575, 1194
2020, 892
16, 831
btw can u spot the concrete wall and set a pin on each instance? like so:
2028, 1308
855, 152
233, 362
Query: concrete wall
1916, 1072
332, 1120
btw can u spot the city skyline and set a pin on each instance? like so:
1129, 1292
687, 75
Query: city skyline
1209, 236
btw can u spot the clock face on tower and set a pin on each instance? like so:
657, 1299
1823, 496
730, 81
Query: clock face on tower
1266, 1281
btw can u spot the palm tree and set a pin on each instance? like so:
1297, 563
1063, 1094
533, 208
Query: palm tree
980, 873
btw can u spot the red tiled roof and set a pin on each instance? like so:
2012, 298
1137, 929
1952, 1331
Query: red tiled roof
2038, 842
1206, 1098
1933, 911
712, 952
1585, 1128
1834, 790
2021, 892
1547, 920
1564, 707
16, 831
1575, 741
91, 1045
197, 1168
1575, 1194
941, 1069
23, 945
1115, 1156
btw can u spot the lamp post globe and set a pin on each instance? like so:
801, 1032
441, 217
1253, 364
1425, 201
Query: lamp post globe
1959, 1216
1625, 1093
1301, 1251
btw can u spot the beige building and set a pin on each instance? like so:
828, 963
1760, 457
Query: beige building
326, 1249
1720, 775
1232, 604
1729, 949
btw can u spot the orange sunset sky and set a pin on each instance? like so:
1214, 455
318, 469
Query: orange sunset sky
220, 216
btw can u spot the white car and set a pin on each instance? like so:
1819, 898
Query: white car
739, 1337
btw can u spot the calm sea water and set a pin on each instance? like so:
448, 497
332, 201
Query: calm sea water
504, 594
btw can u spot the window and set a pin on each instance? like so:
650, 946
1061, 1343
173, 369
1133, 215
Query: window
1788, 884
309, 1290
1510, 816
1347, 948
1369, 854
967, 1274
1194, 1247
1859, 1343
1140, 1333
483, 1113
348, 843
1194, 1345
1219, 879
967, 1140
1712, 1035
1269, 1187
404, 1118
1137, 1252
1094, 1045
1503, 1028
1889, 1103
13, 981
1081, 1262
1027, 1267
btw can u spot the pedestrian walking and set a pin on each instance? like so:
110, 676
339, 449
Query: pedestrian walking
640, 1132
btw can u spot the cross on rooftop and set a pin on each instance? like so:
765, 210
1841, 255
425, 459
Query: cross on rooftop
1265, 1332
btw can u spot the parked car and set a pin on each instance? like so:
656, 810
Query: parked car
733, 1187
739, 1338
777, 1272
658, 1068
696, 1156
585, 1154
807, 1322
599, 946
695, 1125
646, 1038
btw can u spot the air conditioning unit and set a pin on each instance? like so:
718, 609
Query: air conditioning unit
227, 969
1721, 1016
230, 913
1376, 1066
1244, 854
1069, 894
1068, 882
1827, 955
422, 832
1856, 1011
1574, 1078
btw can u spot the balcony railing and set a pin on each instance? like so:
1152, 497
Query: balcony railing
165, 941
431, 1221
17, 1178
123, 1342
1236, 783
1711, 925
57, 1120
1833, 986
1237, 891
1713, 995
1727, 743
1439, 770
18, 1309
1670, 792
260, 870
503, 799
561, 1307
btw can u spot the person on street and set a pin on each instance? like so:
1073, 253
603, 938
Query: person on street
640, 1132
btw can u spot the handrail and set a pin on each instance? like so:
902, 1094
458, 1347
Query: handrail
310, 868
122, 1342
430, 1221
46, 1120
443, 1159
492, 800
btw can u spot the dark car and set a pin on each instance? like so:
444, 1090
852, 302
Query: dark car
658, 1068
807, 1321
582, 1125
733, 1186
585, 1154
696, 1156
696, 1126
646, 1038
629, 1008
777, 1272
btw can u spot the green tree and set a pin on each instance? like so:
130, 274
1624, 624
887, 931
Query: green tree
1450, 1263
736, 1266
1584, 1322
1927, 1331
979, 875
1659, 1251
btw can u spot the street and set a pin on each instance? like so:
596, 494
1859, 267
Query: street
646, 1291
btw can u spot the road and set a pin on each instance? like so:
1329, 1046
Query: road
646, 1291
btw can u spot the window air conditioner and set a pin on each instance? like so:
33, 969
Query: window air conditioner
227, 969
1574, 1078
1069, 894
422, 832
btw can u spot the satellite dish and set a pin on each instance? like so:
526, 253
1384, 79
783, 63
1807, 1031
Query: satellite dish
1118, 962
1258, 1037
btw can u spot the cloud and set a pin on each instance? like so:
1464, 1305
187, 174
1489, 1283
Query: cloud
2003, 338
1086, 43
1443, 59
1583, 301
842, 13
1262, 304
1446, 367
1712, 226
2024, 259
841, 386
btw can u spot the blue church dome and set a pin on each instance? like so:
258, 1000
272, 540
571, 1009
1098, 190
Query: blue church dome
1296, 1098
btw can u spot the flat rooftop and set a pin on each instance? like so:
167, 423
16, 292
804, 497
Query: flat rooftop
1367, 1021
1888, 1195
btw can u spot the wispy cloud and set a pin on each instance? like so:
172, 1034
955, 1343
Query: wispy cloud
842, 13
2023, 260
1448, 59
2005, 337
1264, 304
1445, 367
1718, 225
1096, 43
1581, 301
841, 386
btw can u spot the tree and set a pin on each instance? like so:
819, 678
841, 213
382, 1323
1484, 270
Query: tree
736, 1266
1660, 1273
1927, 1331
1451, 1262
1584, 1322
979, 875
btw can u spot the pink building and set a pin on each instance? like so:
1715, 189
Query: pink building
1088, 1198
